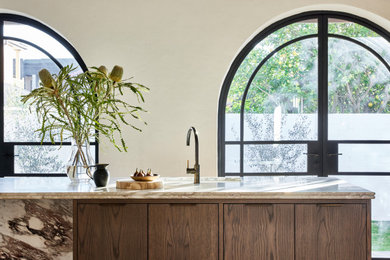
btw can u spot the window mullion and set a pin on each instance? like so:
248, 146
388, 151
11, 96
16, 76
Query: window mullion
1, 83
4, 160
323, 92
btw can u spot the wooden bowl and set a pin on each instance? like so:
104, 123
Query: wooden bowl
146, 178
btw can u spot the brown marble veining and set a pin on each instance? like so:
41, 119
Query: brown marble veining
36, 229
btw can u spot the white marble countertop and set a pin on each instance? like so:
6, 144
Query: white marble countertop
291, 187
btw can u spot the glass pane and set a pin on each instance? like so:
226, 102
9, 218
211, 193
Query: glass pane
259, 52
361, 33
232, 158
380, 211
359, 94
43, 40
21, 66
269, 158
43, 158
232, 127
364, 158
282, 100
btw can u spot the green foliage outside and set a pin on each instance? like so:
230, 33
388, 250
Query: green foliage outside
18, 127
380, 235
358, 82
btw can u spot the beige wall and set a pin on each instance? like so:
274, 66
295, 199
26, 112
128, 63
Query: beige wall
182, 50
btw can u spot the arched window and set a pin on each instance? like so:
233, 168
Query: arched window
310, 95
27, 47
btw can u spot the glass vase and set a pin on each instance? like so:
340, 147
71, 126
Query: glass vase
78, 167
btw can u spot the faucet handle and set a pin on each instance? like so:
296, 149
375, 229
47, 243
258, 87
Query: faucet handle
190, 170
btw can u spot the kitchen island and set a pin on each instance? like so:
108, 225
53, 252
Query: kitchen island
249, 218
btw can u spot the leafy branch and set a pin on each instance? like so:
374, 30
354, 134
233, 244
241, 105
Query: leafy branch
78, 106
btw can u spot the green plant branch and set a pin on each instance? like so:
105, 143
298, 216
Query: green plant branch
73, 106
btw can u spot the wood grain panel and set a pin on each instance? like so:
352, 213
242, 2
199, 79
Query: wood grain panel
259, 231
183, 231
368, 227
331, 231
112, 231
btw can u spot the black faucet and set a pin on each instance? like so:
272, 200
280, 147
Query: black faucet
196, 169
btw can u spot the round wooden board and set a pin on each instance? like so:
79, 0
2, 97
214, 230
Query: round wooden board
138, 185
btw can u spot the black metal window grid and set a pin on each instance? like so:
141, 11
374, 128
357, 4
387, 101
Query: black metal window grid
7, 156
323, 163
319, 161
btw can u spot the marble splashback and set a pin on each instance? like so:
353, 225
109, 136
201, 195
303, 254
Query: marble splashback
36, 229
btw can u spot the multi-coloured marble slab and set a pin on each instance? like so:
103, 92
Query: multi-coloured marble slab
36, 229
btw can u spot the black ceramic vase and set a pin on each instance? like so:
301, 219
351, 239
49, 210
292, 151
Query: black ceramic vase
101, 175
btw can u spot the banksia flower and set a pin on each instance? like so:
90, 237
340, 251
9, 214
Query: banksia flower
116, 73
103, 70
46, 78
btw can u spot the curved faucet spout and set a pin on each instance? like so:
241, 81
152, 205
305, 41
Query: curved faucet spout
192, 129
196, 169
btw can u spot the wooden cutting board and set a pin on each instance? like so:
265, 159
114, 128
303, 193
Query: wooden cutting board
138, 185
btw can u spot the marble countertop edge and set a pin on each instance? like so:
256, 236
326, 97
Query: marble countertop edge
190, 195
287, 187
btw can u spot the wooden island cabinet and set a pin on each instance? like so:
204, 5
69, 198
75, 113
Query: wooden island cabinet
258, 231
261, 218
111, 231
222, 229
183, 231
332, 231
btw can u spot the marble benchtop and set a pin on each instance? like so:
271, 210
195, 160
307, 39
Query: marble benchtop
285, 187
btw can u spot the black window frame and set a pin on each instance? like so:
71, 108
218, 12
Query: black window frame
7, 148
325, 165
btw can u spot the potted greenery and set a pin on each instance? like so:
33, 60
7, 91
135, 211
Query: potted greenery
84, 106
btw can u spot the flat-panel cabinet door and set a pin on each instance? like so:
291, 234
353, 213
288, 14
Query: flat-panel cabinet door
112, 231
331, 231
183, 231
259, 231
